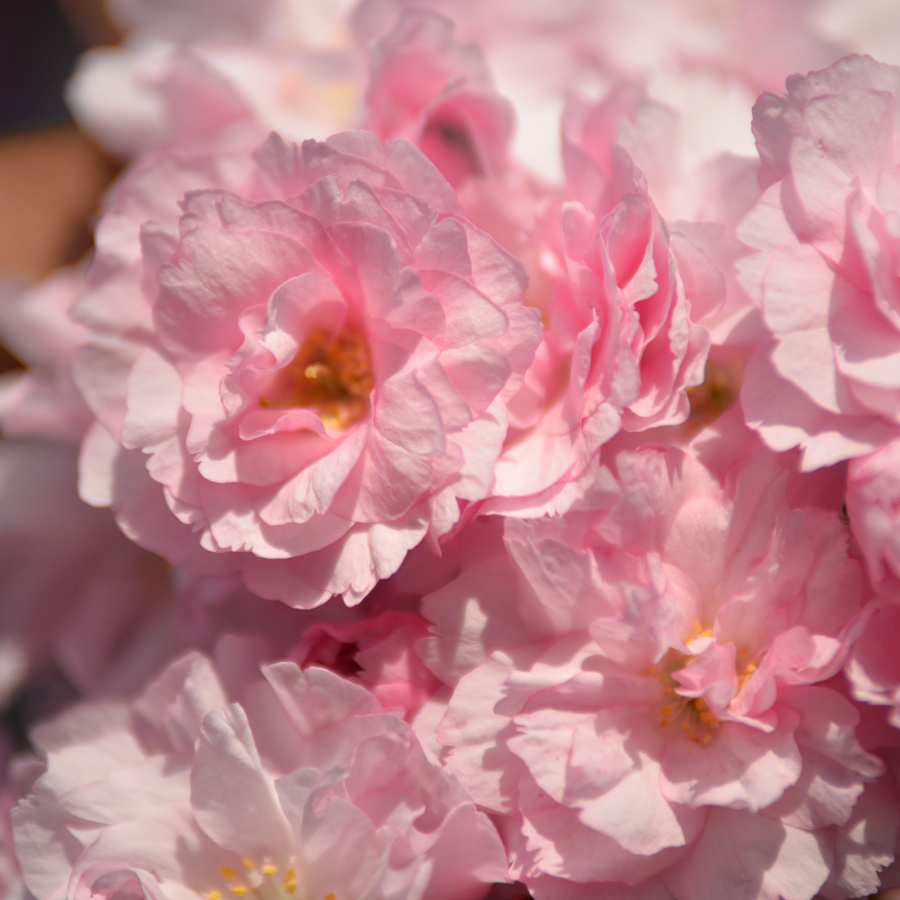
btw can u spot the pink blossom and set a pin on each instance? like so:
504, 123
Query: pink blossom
623, 340
320, 375
664, 720
216, 782
824, 270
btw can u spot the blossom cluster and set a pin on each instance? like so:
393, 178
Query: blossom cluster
468, 464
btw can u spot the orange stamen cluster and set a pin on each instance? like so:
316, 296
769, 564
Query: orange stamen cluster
745, 669
331, 375
692, 715
263, 882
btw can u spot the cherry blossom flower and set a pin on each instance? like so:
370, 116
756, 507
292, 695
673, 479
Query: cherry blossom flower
667, 693
329, 352
824, 267
302, 787
623, 340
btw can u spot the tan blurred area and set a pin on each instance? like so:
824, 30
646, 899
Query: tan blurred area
51, 180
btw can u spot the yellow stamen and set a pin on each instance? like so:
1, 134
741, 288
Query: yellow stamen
228, 872
248, 863
269, 869
214, 895
240, 889
290, 887
329, 374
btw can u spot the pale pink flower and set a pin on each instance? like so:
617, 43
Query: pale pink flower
662, 720
217, 782
305, 373
196, 72
824, 271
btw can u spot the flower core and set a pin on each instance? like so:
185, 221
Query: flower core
690, 715
263, 882
329, 374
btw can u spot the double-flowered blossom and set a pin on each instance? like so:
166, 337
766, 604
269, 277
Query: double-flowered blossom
665, 718
623, 304
226, 781
824, 267
308, 359
564, 426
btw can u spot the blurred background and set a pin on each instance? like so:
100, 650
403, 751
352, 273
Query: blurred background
51, 176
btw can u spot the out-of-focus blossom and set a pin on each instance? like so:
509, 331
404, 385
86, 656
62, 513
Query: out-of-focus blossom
824, 272
74, 593
197, 72
709, 60
219, 782
43, 402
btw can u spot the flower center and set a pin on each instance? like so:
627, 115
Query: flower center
262, 882
331, 375
691, 716
718, 392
